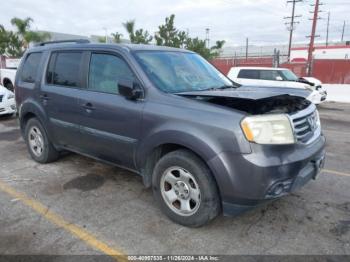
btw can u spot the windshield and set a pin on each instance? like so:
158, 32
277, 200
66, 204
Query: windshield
289, 75
175, 72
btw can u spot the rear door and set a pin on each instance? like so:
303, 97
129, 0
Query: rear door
59, 95
110, 123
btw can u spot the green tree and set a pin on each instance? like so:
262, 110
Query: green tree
117, 37
10, 44
216, 49
168, 35
14, 45
25, 35
139, 36
199, 46
3, 40
101, 39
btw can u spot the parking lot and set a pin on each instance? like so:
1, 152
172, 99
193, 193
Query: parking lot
79, 206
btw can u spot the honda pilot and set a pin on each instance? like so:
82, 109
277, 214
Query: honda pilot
204, 145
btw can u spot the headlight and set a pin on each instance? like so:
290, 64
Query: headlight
268, 129
10, 95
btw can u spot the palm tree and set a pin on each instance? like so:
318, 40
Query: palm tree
140, 36
25, 34
117, 37
130, 28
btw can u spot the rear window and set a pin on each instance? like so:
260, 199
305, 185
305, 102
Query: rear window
30, 67
64, 69
249, 74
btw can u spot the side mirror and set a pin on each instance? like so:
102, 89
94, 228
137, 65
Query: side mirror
130, 89
279, 78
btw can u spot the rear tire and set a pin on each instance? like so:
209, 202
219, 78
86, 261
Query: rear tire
38, 144
185, 189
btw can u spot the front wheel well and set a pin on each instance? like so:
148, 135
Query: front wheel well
156, 154
152, 159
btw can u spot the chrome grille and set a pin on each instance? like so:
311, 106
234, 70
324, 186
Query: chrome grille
306, 125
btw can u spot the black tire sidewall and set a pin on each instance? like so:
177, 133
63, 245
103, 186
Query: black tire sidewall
210, 202
45, 155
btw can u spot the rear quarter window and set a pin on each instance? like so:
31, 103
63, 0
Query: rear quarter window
30, 67
269, 75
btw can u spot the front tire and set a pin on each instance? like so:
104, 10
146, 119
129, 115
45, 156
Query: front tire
38, 144
185, 189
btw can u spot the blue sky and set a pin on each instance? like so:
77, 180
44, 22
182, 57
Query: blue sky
230, 20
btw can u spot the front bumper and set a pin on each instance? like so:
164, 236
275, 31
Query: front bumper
7, 106
269, 172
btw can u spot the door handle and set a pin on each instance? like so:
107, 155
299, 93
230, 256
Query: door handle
88, 106
44, 97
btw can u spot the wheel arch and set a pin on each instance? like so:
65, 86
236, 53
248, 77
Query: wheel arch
161, 144
30, 109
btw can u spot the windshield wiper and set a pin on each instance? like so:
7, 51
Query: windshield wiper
219, 88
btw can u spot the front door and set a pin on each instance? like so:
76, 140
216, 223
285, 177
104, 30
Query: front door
110, 123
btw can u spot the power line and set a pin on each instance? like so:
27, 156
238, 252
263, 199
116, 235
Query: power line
291, 24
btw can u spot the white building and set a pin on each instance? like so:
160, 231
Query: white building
299, 54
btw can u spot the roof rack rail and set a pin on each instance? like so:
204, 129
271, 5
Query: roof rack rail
77, 41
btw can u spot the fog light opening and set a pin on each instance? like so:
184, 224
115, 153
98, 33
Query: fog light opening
279, 189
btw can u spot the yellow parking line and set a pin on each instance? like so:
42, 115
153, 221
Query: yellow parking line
59, 221
335, 172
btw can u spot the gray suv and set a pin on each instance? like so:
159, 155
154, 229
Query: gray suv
204, 144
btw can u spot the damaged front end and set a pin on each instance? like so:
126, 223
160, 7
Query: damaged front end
253, 103
277, 104
270, 117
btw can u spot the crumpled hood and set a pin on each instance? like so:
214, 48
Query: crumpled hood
250, 92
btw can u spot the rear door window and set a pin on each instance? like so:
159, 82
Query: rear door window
64, 69
30, 67
249, 74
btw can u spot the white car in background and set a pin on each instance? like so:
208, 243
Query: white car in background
7, 101
278, 77
7, 77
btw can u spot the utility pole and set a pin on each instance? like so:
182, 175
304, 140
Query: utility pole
246, 48
290, 25
106, 38
329, 14
342, 34
312, 38
207, 37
